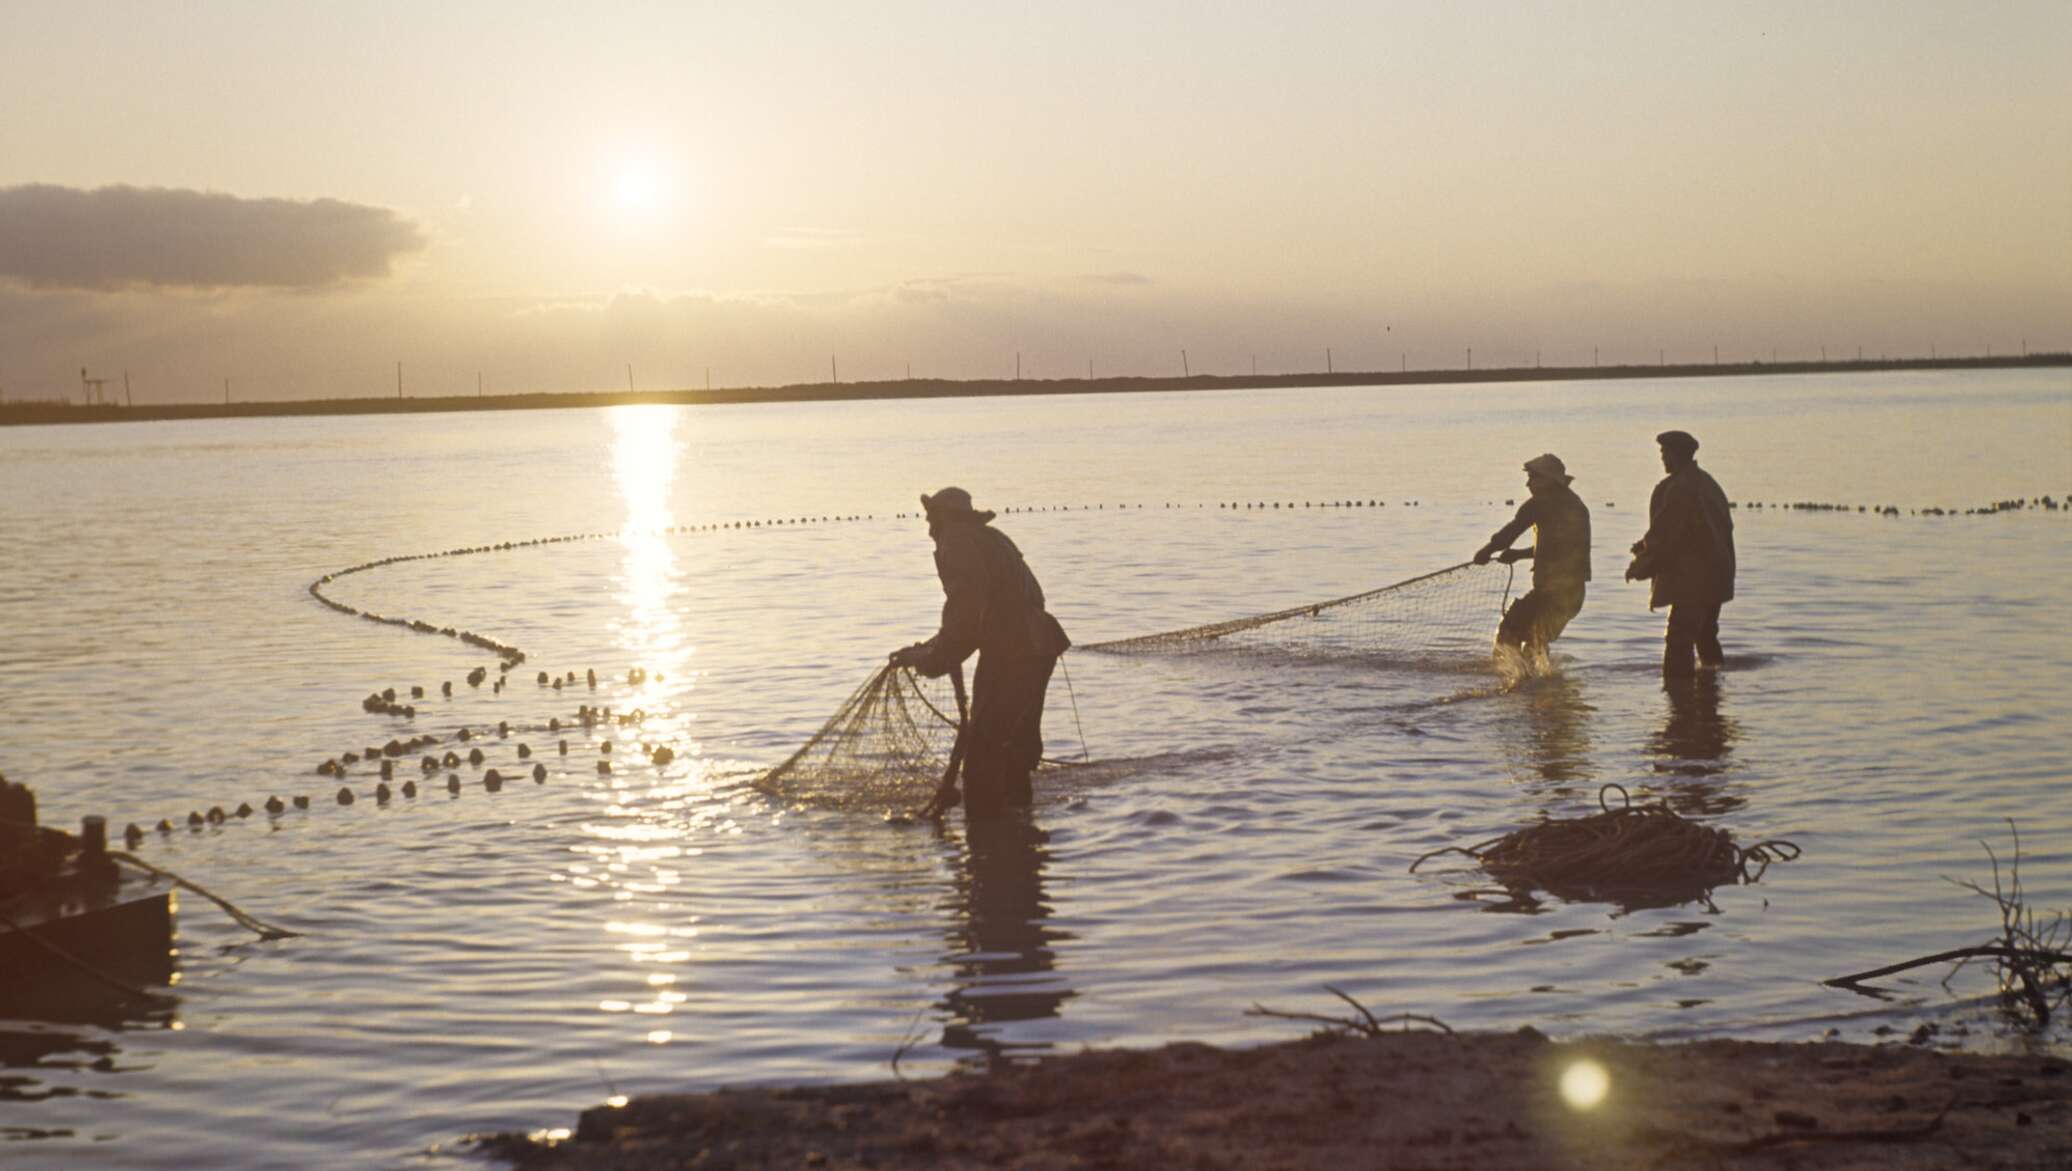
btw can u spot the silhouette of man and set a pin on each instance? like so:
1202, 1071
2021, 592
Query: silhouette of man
1560, 556
992, 604
1687, 555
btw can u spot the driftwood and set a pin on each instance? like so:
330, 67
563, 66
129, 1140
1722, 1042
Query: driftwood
2026, 956
1955, 953
1365, 1025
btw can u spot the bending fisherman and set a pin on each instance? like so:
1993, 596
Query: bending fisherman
1560, 556
992, 604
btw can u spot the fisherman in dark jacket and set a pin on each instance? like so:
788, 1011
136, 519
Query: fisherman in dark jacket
1688, 555
1560, 556
992, 604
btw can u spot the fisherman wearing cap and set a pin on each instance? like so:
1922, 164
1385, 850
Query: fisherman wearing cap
992, 604
1560, 556
1687, 556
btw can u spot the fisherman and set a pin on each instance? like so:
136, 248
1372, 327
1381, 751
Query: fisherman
1687, 555
1560, 556
992, 604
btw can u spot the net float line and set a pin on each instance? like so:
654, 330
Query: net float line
492, 774
510, 656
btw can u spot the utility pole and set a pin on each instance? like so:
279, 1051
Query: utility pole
1089, 369
1017, 365
399, 380
1403, 362
226, 392
708, 375
1184, 371
1255, 365
1593, 357
1471, 357
1327, 360
478, 384
834, 372
910, 372
1715, 355
629, 378
126, 399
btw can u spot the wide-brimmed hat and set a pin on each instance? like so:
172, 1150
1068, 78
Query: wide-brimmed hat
953, 504
1679, 441
1549, 466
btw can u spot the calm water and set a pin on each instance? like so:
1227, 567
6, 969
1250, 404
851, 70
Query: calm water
1899, 689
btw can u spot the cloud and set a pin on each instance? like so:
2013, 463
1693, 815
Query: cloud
1115, 278
132, 237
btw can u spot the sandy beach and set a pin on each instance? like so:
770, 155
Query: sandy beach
1400, 1100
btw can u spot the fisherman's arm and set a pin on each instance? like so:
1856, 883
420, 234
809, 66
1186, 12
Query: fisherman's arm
962, 570
1669, 519
1502, 538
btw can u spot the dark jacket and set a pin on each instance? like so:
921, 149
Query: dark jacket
992, 603
1561, 547
1689, 549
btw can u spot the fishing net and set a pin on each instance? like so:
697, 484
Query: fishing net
888, 746
1447, 615
1631, 855
885, 748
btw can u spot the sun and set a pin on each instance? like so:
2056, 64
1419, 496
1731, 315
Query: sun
636, 188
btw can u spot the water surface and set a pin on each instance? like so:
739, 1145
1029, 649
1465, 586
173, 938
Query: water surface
1898, 690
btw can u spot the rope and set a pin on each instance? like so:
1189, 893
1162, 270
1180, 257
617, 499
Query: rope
1085, 752
258, 927
1627, 853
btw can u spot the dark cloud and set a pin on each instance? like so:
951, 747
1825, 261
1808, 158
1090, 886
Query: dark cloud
126, 237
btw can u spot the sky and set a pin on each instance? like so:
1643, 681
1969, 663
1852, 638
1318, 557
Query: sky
516, 196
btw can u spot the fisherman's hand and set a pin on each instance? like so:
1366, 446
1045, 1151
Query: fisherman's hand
909, 656
1482, 555
1510, 556
1639, 570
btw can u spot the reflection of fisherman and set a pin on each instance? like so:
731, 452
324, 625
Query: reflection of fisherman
1560, 556
993, 605
1688, 554
1002, 950
1696, 738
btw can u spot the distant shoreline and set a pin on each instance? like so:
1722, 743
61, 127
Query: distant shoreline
49, 412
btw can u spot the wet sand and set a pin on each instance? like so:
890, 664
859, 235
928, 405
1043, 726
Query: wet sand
1400, 1100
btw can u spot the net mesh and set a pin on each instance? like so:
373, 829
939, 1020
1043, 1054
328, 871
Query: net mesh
886, 747
1447, 615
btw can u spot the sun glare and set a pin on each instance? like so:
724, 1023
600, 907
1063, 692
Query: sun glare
1584, 1084
637, 188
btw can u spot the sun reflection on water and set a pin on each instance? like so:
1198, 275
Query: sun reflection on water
644, 455
637, 832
